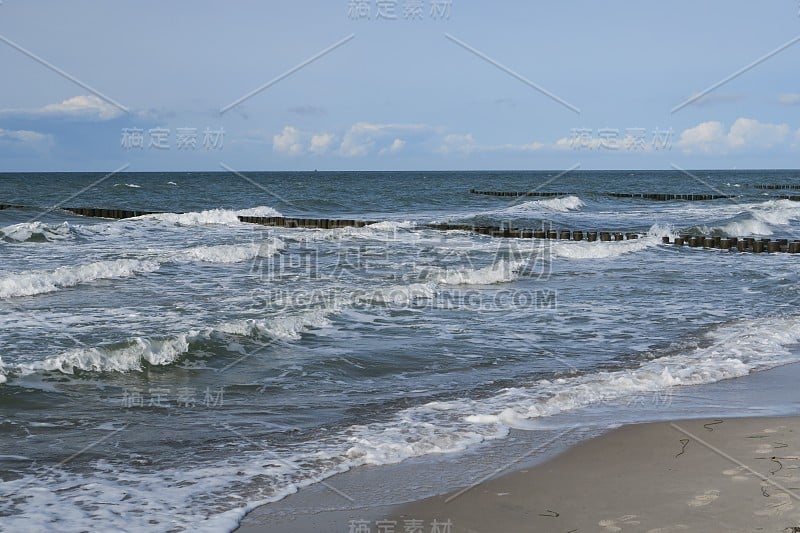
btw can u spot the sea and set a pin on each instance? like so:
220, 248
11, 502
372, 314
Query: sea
173, 371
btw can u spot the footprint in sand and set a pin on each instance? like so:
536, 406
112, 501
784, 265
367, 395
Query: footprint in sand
669, 529
704, 499
612, 526
736, 474
764, 448
779, 503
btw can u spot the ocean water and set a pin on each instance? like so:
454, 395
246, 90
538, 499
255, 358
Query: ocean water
170, 372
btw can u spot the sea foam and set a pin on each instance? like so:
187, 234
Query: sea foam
34, 282
228, 217
36, 232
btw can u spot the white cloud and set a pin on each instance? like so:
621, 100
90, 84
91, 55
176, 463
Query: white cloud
789, 99
705, 137
528, 147
85, 107
288, 141
466, 144
321, 143
745, 133
750, 132
395, 147
458, 143
361, 138
24, 136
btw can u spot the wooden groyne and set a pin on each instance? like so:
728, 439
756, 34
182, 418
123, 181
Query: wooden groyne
715, 242
540, 233
777, 187
319, 223
736, 244
107, 213
644, 196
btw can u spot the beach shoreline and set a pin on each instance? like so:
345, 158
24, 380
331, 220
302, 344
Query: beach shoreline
595, 481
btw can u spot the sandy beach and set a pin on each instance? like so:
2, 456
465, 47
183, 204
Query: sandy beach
733, 474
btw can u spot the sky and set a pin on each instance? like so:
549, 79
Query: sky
398, 85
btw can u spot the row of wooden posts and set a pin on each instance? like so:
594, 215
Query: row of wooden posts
321, 223
656, 197
738, 244
741, 244
777, 187
107, 213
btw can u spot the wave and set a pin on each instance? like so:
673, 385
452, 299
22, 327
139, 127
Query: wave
732, 350
601, 250
433, 428
124, 358
287, 327
605, 250
396, 294
563, 204
231, 253
34, 282
228, 217
129, 185
131, 354
502, 271
746, 227
762, 218
385, 230
37, 232
736, 349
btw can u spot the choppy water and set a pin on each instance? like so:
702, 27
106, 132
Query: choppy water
170, 372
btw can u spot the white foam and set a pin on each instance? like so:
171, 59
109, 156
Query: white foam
389, 225
36, 230
763, 217
735, 350
396, 294
501, 271
386, 230
602, 250
778, 212
134, 499
34, 282
109, 359
285, 327
563, 204
226, 217
231, 253
164, 351
746, 227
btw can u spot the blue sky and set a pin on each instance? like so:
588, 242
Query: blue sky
432, 89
